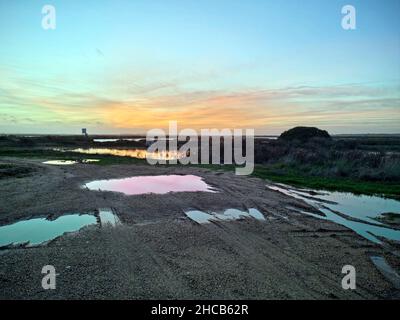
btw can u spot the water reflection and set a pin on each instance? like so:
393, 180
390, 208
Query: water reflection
107, 217
69, 162
37, 231
60, 162
105, 140
152, 184
387, 271
134, 153
357, 212
228, 214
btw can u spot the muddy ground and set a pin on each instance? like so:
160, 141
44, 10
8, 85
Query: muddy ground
158, 253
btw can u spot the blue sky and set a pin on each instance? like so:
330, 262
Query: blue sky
129, 66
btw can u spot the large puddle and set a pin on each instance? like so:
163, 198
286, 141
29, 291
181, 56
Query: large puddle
360, 213
36, 231
152, 184
133, 153
229, 214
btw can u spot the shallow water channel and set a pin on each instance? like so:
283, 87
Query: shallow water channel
361, 213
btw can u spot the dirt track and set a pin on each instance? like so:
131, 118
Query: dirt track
158, 253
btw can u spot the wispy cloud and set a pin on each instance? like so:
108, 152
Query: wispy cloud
148, 104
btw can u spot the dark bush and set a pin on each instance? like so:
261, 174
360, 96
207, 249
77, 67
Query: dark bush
304, 134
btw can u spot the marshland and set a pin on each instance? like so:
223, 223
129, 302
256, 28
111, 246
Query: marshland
116, 227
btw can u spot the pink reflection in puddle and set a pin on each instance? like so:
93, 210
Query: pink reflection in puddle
152, 184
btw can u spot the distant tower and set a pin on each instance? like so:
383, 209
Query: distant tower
84, 132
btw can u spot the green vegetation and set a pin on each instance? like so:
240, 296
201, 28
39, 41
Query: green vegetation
114, 160
50, 154
304, 134
37, 153
348, 172
280, 173
299, 178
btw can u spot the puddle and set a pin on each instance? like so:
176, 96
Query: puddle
357, 212
199, 216
151, 184
90, 160
368, 231
133, 153
105, 140
61, 162
387, 271
69, 162
107, 217
37, 231
229, 214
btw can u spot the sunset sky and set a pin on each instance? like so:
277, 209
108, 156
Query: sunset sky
129, 66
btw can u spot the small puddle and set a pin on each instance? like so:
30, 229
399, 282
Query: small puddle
227, 215
69, 162
133, 153
387, 271
199, 216
106, 140
36, 231
90, 160
108, 217
61, 162
152, 184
